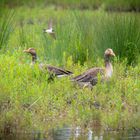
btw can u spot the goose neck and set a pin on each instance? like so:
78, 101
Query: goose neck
34, 58
108, 67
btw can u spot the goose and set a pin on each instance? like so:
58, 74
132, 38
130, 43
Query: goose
90, 77
55, 71
50, 30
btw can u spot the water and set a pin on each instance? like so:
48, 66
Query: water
68, 133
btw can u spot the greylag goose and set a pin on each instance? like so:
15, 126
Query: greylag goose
90, 77
50, 30
58, 72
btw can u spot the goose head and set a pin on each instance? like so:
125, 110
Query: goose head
109, 52
31, 51
108, 66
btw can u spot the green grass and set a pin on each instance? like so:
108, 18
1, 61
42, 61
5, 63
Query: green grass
6, 28
82, 35
29, 102
113, 5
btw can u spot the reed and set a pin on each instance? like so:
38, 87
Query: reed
7, 20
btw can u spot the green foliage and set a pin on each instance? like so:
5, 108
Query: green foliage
119, 32
29, 102
119, 5
82, 35
7, 17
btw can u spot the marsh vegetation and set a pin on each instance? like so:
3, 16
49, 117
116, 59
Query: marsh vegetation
29, 102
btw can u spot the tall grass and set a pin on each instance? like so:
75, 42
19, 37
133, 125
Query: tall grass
121, 33
119, 5
6, 26
82, 35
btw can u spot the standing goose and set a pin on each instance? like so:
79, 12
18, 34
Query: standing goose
50, 30
90, 77
58, 72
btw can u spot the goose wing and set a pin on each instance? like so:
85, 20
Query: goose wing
50, 24
57, 71
89, 76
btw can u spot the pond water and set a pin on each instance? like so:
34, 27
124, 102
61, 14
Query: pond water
68, 133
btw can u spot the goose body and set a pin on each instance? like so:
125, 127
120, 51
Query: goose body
91, 75
58, 72
55, 70
49, 30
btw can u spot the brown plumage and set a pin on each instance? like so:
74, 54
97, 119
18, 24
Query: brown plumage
51, 69
90, 77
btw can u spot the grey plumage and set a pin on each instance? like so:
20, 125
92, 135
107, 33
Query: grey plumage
91, 75
59, 72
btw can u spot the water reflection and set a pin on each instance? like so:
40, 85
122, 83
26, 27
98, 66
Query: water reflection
77, 132
37, 135
69, 133
90, 134
64, 133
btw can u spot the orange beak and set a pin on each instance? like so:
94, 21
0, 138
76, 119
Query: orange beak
113, 54
26, 51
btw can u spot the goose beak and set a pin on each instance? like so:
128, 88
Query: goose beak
25, 51
113, 54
